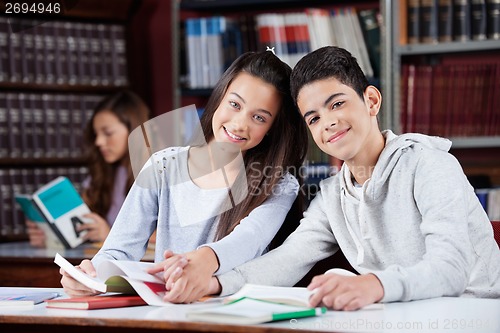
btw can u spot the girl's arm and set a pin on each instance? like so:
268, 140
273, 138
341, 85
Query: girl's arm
254, 233
135, 222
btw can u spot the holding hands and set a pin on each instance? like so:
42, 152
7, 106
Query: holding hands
189, 276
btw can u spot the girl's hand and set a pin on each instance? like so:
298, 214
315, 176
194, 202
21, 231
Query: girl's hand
74, 288
190, 283
36, 234
96, 231
169, 266
345, 292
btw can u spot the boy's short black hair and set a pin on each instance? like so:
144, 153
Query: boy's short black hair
325, 63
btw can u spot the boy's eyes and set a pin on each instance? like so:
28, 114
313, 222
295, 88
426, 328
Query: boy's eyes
337, 104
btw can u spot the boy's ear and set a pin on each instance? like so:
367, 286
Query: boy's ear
373, 99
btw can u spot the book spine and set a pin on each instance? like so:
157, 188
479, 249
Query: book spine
63, 126
403, 22
25, 121
14, 51
38, 31
478, 19
49, 63
493, 19
27, 51
413, 21
429, 21
104, 55
4, 49
462, 20
71, 56
37, 125
57, 31
118, 48
4, 127
13, 119
445, 20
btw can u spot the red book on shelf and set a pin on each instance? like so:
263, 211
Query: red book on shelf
96, 302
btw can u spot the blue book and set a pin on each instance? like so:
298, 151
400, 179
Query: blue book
21, 297
59, 210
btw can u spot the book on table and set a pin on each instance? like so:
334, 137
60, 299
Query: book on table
126, 277
96, 302
255, 304
11, 297
58, 209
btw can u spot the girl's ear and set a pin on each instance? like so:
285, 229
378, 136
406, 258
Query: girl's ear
373, 99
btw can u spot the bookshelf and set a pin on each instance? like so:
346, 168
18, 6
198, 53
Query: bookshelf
54, 68
256, 22
471, 123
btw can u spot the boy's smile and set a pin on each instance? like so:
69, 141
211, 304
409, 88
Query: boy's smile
342, 124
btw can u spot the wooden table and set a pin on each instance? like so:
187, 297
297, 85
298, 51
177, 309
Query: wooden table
433, 315
24, 266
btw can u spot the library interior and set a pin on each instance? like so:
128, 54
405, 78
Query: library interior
435, 62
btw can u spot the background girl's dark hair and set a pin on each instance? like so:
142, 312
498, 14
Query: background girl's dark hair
326, 63
132, 112
283, 149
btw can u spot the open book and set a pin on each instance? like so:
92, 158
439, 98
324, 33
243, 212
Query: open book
128, 277
255, 304
58, 209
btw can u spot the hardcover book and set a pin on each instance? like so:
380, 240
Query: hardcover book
96, 302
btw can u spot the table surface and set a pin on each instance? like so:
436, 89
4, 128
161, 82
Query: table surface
446, 314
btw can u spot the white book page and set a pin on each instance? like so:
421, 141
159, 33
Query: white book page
89, 281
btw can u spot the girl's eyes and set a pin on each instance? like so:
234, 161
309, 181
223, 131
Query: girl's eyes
234, 104
312, 120
259, 118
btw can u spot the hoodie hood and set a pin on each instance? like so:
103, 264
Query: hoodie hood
395, 147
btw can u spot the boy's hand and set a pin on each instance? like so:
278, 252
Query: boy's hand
36, 234
74, 288
190, 283
96, 231
170, 267
345, 292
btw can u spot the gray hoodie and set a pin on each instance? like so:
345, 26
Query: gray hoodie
416, 224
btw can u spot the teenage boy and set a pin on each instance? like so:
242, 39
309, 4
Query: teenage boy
400, 209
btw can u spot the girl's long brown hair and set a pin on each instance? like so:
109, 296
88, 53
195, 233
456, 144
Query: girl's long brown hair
282, 150
132, 112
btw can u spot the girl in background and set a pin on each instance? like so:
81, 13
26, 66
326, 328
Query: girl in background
110, 173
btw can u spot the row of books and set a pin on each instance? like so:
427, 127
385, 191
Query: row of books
433, 21
451, 99
212, 43
490, 199
62, 53
27, 180
44, 125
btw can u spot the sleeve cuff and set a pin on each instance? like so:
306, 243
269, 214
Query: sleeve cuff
230, 282
393, 287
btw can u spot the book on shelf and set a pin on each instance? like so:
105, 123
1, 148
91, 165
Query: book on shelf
462, 20
96, 302
493, 19
24, 297
445, 20
127, 277
429, 21
478, 19
58, 209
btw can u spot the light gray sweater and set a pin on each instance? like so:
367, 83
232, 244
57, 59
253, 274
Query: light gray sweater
418, 226
164, 198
